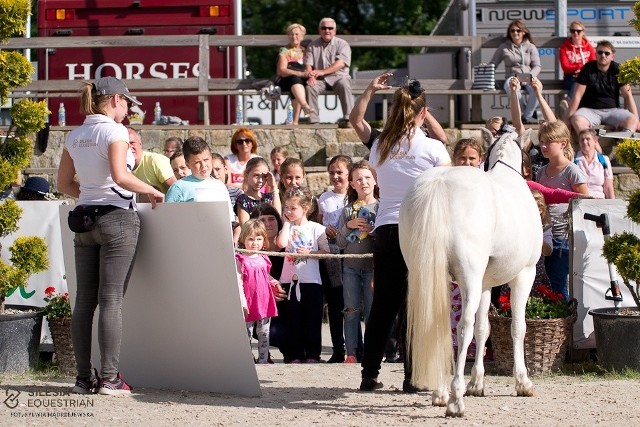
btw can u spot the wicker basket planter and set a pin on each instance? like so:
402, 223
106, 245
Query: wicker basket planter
63, 346
545, 343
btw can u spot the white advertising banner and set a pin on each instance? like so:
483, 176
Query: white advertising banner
39, 218
257, 108
589, 276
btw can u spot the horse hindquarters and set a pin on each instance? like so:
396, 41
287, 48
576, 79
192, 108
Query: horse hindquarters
425, 242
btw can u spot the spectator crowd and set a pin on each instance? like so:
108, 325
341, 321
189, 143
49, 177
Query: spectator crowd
272, 209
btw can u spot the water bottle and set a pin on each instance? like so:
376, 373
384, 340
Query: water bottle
62, 115
239, 112
290, 113
157, 113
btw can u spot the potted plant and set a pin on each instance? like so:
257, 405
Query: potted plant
617, 330
19, 332
549, 323
58, 312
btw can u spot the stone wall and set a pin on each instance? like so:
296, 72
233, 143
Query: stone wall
315, 145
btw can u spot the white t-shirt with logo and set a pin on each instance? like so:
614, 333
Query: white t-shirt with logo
400, 170
330, 205
236, 169
88, 146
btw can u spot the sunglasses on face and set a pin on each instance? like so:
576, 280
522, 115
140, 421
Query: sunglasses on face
326, 28
604, 52
576, 30
129, 102
241, 141
515, 30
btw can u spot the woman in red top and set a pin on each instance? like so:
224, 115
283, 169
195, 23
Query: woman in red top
574, 53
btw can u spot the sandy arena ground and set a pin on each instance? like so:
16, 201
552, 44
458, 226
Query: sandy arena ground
326, 395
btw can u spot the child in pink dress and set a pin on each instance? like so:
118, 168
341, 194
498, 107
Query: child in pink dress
253, 271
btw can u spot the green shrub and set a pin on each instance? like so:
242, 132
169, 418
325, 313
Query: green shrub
15, 71
30, 254
10, 214
14, 17
29, 116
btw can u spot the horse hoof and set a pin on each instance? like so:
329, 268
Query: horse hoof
455, 410
475, 392
526, 392
453, 414
439, 401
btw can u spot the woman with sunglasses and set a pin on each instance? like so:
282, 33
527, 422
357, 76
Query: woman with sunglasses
520, 56
574, 53
244, 146
98, 154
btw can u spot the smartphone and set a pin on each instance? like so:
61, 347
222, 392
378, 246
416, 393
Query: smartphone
524, 77
398, 81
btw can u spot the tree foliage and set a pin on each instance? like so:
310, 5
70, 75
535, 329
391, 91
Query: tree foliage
14, 15
359, 17
29, 254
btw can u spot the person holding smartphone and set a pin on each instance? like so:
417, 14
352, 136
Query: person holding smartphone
521, 59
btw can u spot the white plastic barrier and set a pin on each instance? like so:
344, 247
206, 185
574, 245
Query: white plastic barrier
183, 327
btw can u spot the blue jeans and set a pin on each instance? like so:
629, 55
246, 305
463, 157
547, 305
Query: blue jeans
357, 294
531, 103
104, 259
557, 266
569, 84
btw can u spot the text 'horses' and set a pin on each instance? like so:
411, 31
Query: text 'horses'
484, 229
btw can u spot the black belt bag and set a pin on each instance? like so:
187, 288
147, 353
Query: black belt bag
83, 218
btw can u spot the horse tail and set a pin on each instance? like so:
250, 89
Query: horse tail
425, 236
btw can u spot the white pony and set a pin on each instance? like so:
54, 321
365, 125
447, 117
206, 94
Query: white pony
484, 229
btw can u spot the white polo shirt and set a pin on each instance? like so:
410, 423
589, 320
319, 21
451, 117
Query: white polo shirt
88, 146
400, 170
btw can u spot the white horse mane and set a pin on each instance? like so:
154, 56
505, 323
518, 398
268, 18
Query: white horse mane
500, 151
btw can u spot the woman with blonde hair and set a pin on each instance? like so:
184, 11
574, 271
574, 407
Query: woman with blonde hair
292, 76
104, 250
400, 153
562, 173
575, 51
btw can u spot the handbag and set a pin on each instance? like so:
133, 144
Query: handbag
293, 65
83, 218
484, 77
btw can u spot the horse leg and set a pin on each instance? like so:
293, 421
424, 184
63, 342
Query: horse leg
470, 292
475, 387
520, 289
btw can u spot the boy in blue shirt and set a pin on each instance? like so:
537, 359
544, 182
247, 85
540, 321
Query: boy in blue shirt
200, 186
